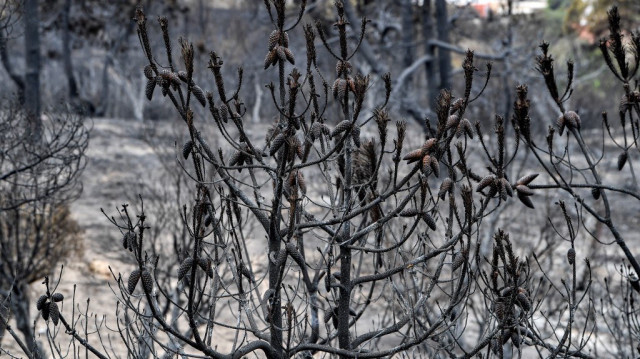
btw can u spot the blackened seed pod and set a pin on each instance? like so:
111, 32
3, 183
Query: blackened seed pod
488, 180
54, 313
414, 155
205, 264
411, 212
302, 183
452, 121
315, 131
199, 94
523, 190
622, 160
467, 127
572, 119
355, 134
45, 311
184, 268
595, 193
525, 180
270, 59
429, 221
435, 165
186, 149
41, 301
57, 297
341, 127
289, 56
516, 339
458, 260
147, 281
277, 142
571, 256
151, 85
523, 301
281, 54
459, 130
148, 72
133, 281
507, 186
445, 188
273, 39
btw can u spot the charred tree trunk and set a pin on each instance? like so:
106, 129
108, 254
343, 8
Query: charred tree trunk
444, 56
407, 38
20, 303
6, 63
427, 35
32, 71
66, 39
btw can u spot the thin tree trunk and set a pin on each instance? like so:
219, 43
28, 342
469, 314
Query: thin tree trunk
108, 62
66, 39
429, 50
32, 73
444, 56
6, 62
20, 303
407, 38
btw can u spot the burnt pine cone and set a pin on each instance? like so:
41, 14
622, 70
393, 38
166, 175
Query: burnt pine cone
54, 313
147, 281
134, 277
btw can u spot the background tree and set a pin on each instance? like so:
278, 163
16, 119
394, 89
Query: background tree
37, 181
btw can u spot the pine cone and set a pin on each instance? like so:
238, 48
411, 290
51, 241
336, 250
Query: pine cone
428, 145
523, 190
413, 156
523, 301
44, 312
515, 338
302, 183
151, 85
147, 281
148, 72
341, 127
133, 280
205, 264
280, 52
289, 56
445, 187
452, 121
429, 221
572, 119
411, 212
355, 135
186, 149
276, 144
571, 256
41, 302
487, 181
622, 160
199, 94
54, 313
339, 88
527, 179
185, 267
458, 260
315, 131
526, 200
274, 37
271, 58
